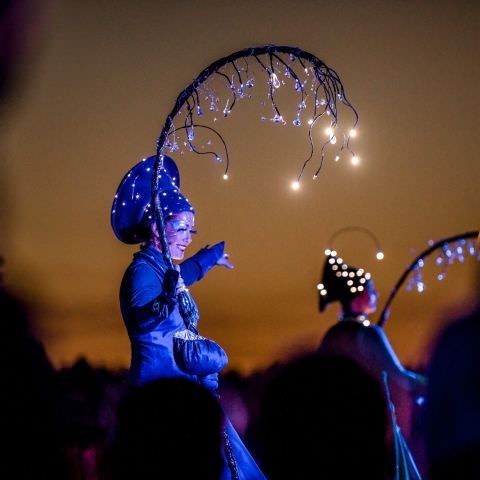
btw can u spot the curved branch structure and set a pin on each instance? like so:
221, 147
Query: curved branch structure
277, 61
418, 263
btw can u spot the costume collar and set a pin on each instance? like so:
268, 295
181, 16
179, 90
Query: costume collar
151, 254
359, 318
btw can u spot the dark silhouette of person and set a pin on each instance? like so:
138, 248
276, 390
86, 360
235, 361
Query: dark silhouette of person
452, 418
354, 336
324, 417
29, 424
170, 428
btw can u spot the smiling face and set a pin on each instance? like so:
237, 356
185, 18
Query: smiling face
179, 229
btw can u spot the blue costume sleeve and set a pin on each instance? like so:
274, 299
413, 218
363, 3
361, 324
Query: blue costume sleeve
196, 267
148, 298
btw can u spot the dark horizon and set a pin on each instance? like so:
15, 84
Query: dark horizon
102, 80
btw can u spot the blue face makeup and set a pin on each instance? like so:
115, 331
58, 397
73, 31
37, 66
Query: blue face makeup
181, 227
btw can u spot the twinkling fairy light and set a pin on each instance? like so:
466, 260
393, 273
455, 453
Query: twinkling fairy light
318, 88
446, 251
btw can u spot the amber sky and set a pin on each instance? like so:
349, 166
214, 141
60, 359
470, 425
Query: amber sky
105, 76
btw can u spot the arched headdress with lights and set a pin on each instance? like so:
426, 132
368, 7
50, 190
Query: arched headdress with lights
340, 281
448, 250
319, 89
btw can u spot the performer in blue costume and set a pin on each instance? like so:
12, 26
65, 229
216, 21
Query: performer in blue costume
354, 335
356, 338
159, 313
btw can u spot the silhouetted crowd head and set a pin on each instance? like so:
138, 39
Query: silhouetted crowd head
324, 417
31, 445
321, 416
169, 428
453, 402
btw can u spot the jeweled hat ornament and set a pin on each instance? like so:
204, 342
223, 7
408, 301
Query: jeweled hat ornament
132, 209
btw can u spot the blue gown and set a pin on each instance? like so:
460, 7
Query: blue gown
152, 320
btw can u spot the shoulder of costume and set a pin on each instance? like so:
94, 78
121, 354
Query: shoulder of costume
151, 258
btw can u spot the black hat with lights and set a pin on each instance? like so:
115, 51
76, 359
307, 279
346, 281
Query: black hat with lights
340, 282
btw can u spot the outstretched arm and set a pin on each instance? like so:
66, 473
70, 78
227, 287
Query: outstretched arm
196, 267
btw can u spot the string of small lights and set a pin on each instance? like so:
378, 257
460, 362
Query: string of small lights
319, 90
355, 280
448, 250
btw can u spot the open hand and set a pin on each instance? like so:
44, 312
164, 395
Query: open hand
224, 261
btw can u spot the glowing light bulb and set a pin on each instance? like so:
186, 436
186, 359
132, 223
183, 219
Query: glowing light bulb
225, 177
380, 255
275, 81
295, 185
355, 160
337, 158
333, 140
310, 121
329, 131
353, 133
278, 119
327, 252
320, 286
